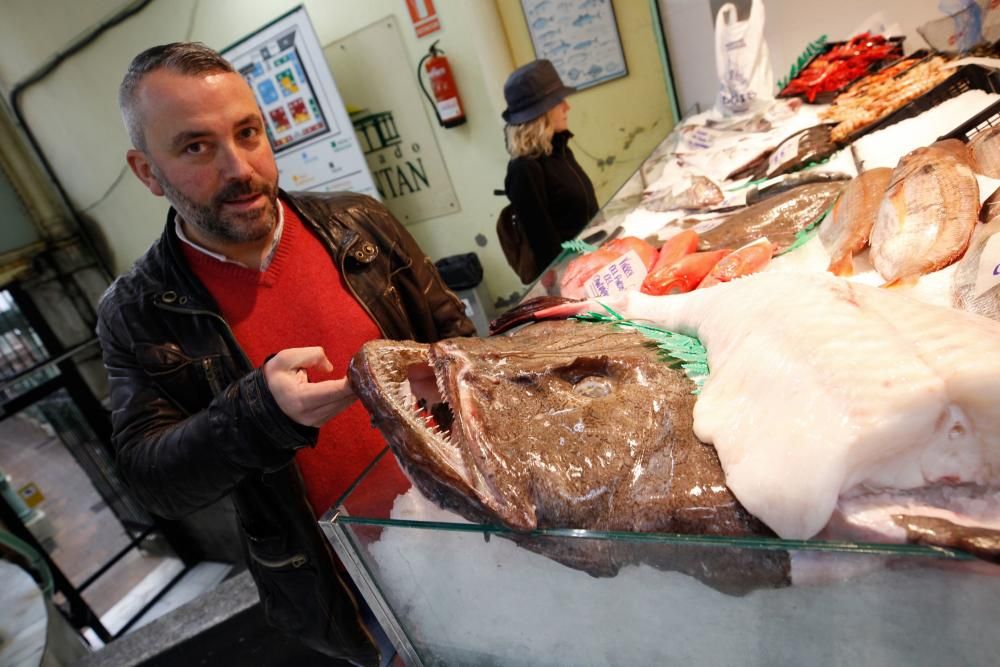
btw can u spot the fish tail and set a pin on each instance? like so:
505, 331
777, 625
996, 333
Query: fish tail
842, 265
898, 283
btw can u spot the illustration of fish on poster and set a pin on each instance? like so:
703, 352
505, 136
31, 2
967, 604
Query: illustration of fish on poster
580, 37
306, 122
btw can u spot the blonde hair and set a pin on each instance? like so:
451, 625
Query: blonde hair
531, 139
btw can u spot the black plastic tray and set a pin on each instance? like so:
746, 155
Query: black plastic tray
966, 78
988, 117
828, 97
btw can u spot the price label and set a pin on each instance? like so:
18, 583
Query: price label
698, 139
783, 153
622, 275
988, 276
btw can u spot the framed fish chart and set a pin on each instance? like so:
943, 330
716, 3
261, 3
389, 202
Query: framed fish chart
580, 37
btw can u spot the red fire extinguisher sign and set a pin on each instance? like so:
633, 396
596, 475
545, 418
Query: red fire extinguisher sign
424, 16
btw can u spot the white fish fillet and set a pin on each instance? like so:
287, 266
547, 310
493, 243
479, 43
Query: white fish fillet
821, 387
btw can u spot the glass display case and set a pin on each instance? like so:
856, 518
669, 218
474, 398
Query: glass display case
450, 592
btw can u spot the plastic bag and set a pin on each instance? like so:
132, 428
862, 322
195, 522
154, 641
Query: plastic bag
742, 61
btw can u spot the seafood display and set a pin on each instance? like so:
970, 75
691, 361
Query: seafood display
985, 148
822, 407
928, 213
779, 218
797, 151
563, 425
884, 148
982, 299
878, 95
841, 64
751, 258
584, 267
696, 193
846, 230
841, 392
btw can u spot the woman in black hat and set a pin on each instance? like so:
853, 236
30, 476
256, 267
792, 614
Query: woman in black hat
550, 192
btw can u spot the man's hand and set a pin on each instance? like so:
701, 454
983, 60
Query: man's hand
307, 403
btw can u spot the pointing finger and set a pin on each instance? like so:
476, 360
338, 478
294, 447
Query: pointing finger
302, 357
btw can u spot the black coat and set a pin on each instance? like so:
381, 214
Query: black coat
193, 420
552, 196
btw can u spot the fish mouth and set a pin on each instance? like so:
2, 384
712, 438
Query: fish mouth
413, 393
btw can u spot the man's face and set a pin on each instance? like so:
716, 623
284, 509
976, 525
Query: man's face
207, 152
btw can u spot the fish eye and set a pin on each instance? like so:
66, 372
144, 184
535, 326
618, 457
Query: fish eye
593, 387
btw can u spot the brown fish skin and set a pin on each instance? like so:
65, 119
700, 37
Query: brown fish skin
846, 230
927, 216
938, 532
779, 218
985, 147
967, 269
565, 425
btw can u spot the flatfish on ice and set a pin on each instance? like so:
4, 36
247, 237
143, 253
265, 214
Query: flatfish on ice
846, 230
779, 218
985, 147
928, 213
967, 270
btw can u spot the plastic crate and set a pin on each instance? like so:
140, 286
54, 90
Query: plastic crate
966, 78
828, 97
988, 117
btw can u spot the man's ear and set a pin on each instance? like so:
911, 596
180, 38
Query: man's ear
141, 167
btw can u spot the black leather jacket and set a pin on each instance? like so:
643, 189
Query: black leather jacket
193, 420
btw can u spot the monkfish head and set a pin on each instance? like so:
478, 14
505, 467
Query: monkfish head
529, 430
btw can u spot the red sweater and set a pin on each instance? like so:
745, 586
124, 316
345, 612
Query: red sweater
301, 300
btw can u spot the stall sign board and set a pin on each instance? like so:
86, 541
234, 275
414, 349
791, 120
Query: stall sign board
376, 77
304, 116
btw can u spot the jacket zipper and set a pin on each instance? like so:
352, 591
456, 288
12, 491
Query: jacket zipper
212, 375
295, 560
220, 318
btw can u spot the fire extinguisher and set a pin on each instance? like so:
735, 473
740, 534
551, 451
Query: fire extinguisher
446, 102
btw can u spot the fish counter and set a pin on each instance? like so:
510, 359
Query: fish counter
751, 419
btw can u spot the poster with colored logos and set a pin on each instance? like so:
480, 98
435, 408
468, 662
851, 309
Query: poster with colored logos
306, 122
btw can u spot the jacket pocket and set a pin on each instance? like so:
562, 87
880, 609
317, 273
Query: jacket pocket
190, 382
288, 590
298, 599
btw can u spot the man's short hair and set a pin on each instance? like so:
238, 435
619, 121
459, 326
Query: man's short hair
189, 58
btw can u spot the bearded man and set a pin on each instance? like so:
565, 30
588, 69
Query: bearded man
227, 343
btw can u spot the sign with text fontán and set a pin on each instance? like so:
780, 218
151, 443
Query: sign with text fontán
308, 127
379, 83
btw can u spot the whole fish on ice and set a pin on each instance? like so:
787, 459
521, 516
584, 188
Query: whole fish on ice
826, 395
964, 292
562, 425
985, 147
928, 213
779, 218
845, 231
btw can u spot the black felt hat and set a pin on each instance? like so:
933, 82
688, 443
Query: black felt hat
531, 90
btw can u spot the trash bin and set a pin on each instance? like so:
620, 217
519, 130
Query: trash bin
463, 274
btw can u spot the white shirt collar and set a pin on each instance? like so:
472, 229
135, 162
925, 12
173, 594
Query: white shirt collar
278, 228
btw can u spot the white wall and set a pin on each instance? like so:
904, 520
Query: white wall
790, 26
74, 115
